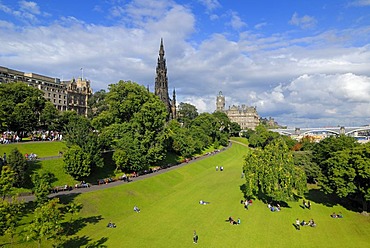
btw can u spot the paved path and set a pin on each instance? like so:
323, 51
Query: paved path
28, 198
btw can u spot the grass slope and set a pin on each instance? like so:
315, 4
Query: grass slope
42, 149
170, 213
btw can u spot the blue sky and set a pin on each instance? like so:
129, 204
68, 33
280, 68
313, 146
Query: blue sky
304, 63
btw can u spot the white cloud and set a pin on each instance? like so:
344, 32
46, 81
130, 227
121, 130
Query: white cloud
293, 79
236, 22
31, 7
360, 3
304, 22
210, 4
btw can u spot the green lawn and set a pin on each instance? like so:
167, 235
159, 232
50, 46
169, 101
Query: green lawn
170, 212
240, 140
42, 149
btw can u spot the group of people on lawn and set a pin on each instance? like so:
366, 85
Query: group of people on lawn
298, 224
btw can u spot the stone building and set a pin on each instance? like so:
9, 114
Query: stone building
78, 92
66, 95
161, 85
246, 116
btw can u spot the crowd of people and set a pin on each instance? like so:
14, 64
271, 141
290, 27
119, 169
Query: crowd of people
8, 137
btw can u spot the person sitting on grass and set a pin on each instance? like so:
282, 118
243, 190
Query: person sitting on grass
201, 202
239, 221
312, 223
297, 224
340, 215
334, 215
111, 225
136, 209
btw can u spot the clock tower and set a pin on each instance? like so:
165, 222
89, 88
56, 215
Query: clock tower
220, 102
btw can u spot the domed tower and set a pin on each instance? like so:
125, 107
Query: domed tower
220, 102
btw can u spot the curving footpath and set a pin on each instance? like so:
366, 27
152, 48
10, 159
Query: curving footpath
95, 187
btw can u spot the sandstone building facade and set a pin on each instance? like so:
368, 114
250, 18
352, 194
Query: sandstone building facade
246, 116
65, 95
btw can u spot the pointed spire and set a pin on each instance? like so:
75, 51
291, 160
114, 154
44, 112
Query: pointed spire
161, 49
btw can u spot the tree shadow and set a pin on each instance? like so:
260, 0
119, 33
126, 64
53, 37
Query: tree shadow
78, 241
67, 197
265, 198
98, 243
73, 226
330, 200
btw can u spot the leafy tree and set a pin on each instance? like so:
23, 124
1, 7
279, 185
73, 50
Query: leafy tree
6, 181
208, 125
18, 164
65, 118
186, 113
49, 116
304, 160
235, 129
325, 148
79, 132
97, 104
125, 99
121, 159
77, 163
20, 104
271, 171
10, 216
183, 143
135, 124
42, 184
348, 173
46, 223
262, 137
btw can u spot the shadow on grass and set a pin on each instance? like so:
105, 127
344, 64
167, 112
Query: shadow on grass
265, 199
73, 226
330, 200
84, 241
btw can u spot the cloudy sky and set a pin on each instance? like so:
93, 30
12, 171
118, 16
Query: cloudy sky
305, 63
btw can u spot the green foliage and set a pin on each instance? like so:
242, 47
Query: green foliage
77, 163
49, 117
135, 124
235, 129
18, 164
348, 173
325, 148
186, 113
97, 104
42, 185
6, 181
10, 216
80, 133
261, 137
125, 99
21, 106
271, 171
305, 160
46, 223
121, 159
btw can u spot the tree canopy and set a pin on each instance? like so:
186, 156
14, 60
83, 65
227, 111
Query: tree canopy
271, 171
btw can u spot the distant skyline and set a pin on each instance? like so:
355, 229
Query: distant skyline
304, 63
